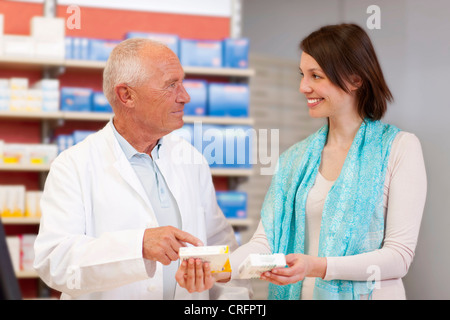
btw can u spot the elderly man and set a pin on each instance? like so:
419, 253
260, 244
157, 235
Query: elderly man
118, 206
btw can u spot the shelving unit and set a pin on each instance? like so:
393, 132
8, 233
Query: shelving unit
71, 71
101, 116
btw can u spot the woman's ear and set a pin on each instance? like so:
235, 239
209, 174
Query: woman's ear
356, 82
124, 95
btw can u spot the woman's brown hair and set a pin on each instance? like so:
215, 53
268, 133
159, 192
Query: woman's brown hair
343, 51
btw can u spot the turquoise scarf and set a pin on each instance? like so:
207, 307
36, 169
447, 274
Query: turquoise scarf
352, 218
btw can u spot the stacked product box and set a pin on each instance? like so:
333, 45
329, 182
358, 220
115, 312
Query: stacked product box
100, 103
48, 34
16, 201
76, 99
16, 95
27, 154
78, 48
197, 90
235, 53
65, 141
201, 53
12, 200
233, 204
4, 94
21, 250
229, 53
228, 99
50, 94
83, 100
170, 40
46, 40
99, 49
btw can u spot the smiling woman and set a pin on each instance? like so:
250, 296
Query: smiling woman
344, 52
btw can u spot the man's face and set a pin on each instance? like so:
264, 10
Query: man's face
159, 102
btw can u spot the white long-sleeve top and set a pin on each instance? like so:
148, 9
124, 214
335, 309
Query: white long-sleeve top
404, 196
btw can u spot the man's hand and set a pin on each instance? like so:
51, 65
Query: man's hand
195, 275
163, 243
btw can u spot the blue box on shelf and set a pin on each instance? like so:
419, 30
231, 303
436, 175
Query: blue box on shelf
100, 103
170, 40
235, 52
79, 47
232, 203
228, 99
75, 99
201, 53
100, 49
80, 135
197, 90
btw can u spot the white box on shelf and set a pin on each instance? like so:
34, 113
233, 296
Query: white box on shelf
48, 28
33, 100
18, 46
42, 153
47, 84
32, 204
13, 243
18, 99
27, 251
48, 49
16, 83
255, 264
12, 200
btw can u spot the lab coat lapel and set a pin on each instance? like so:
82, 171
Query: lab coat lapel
124, 168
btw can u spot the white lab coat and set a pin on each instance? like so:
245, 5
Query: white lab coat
95, 211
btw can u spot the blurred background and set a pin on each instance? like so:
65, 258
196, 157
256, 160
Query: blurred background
413, 47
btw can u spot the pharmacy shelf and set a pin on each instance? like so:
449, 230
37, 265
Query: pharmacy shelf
30, 115
29, 63
238, 222
20, 220
26, 274
46, 167
24, 167
39, 63
225, 72
106, 116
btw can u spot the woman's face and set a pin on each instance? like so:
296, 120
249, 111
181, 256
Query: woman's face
325, 99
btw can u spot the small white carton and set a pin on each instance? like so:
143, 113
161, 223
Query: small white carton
255, 264
217, 256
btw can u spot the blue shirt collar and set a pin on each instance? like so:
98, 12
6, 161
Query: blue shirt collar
128, 149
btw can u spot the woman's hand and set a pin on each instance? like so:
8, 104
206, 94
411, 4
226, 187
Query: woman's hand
299, 266
195, 276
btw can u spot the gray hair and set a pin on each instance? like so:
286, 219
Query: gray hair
124, 65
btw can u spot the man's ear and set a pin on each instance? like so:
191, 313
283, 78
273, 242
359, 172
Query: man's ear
124, 94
